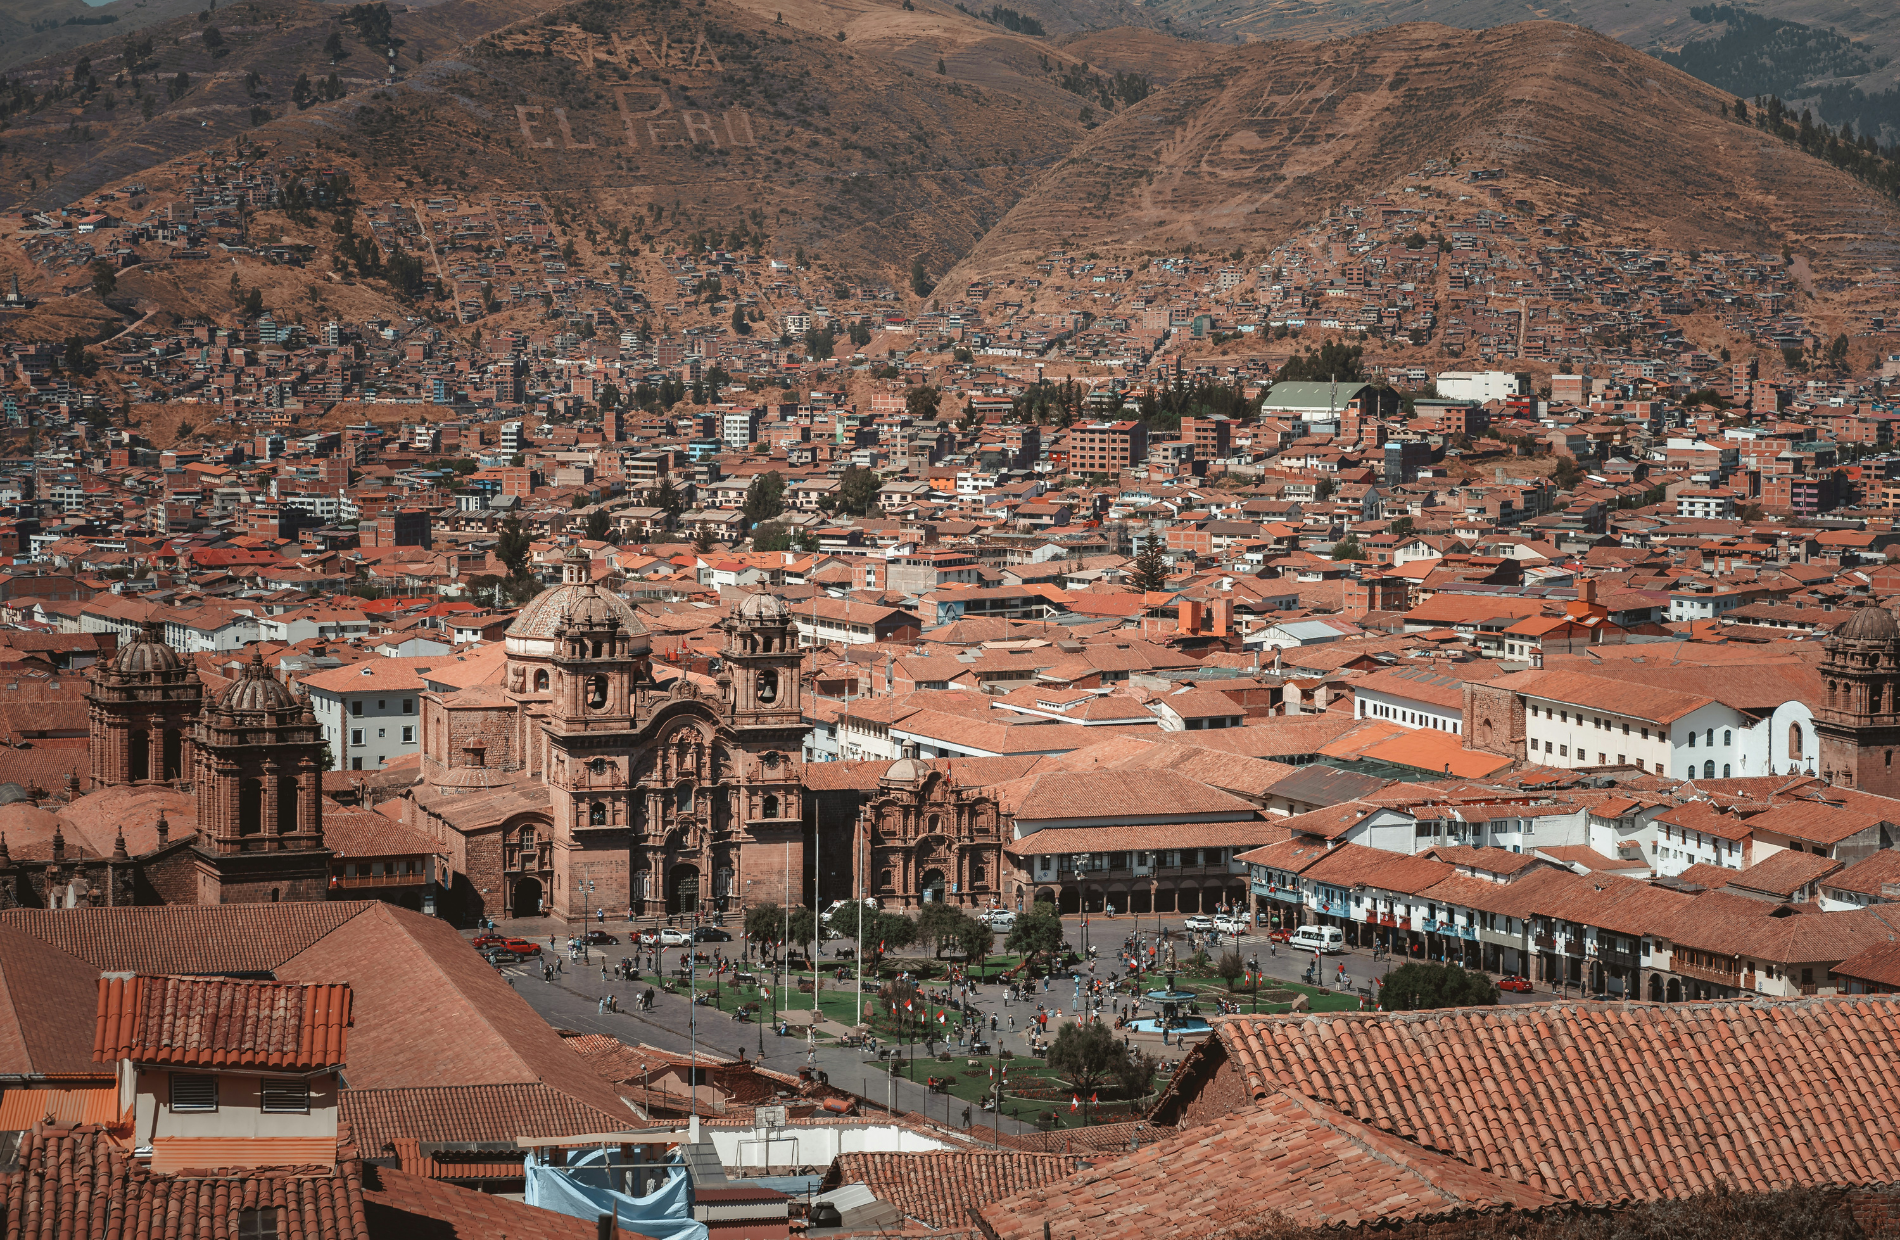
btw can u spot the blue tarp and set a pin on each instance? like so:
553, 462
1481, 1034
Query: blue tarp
583, 1189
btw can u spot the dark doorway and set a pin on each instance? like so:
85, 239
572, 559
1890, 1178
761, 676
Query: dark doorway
250, 806
139, 758
933, 887
682, 890
174, 743
527, 898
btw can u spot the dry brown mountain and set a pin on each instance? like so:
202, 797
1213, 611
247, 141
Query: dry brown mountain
1271, 136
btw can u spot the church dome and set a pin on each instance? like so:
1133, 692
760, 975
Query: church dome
906, 773
762, 608
256, 691
1872, 623
542, 616
146, 654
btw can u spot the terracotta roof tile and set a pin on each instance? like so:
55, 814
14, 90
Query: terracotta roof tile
938, 1189
1288, 1159
74, 1182
221, 1022
46, 1000
1603, 1103
470, 1113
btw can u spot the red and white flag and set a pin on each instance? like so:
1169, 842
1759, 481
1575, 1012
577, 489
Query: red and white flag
1075, 1102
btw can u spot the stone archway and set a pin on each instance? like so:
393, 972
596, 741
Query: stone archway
527, 901
932, 888
1069, 901
1655, 988
682, 890
1675, 990
1044, 895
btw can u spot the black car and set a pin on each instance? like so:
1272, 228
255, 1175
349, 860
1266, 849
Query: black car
501, 955
594, 938
710, 934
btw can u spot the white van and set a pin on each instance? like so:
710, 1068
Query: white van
998, 919
1328, 939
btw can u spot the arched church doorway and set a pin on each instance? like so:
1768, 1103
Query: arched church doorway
933, 886
527, 897
682, 890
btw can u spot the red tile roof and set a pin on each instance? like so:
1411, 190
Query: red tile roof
46, 998
73, 1182
160, 939
470, 1113
937, 1189
222, 1023
1289, 1161
412, 1207
1605, 1103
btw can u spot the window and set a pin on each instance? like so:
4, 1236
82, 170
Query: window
1725, 770
356, 736
356, 708
356, 764
381, 733
597, 692
1645, 733
1710, 738
597, 815
258, 1224
192, 1092
1626, 729
1708, 770
409, 706
1692, 740
1728, 737
286, 1095
541, 681
408, 736
1563, 751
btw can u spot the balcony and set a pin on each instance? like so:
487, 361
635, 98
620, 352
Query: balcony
1387, 919
378, 880
1573, 946
1545, 942
1617, 960
1720, 977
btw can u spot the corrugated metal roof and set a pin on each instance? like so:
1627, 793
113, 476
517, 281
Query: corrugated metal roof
21, 1109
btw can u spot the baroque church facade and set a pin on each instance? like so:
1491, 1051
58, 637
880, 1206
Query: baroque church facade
240, 770
583, 787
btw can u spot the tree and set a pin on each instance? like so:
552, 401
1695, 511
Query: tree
937, 925
772, 536
1148, 572
214, 39
1088, 1056
1400, 527
739, 325
975, 938
665, 497
1333, 360
1037, 934
1230, 967
1323, 490
857, 490
804, 925
105, 278
598, 525
1567, 473
703, 539
1418, 987
765, 924
921, 402
333, 46
512, 547
820, 343
765, 498
919, 279
1348, 548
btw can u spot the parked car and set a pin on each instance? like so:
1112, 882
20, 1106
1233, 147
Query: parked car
520, 947
1199, 922
710, 934
501, 956
1280, 936
594, 938
669, 937
1328, 939
1512, 981
1000, 920
491, 939
1230, 925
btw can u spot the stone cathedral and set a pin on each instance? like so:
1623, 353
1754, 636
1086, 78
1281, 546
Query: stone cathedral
581, 786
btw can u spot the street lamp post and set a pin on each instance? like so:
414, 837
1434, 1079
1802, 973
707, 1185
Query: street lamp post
1080, 862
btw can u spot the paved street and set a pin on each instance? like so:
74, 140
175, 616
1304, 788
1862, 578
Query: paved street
571, 1001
